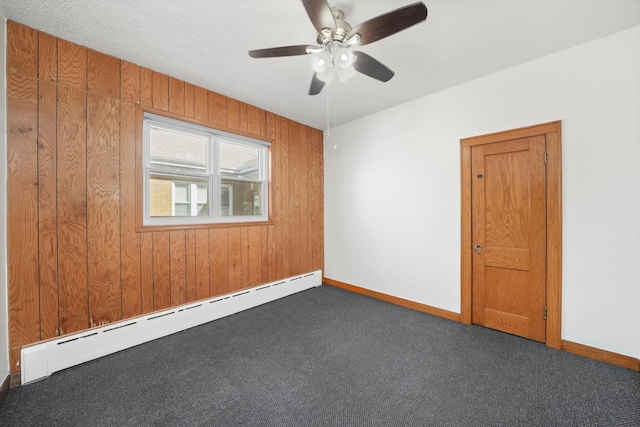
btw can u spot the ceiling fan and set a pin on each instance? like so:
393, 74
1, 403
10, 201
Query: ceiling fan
332, 51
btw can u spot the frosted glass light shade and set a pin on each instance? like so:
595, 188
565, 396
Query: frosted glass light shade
344, 58
321, 62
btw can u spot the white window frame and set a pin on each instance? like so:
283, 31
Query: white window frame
230, 191
192, 191
211, 173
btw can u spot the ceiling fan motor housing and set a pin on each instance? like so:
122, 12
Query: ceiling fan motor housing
340, 33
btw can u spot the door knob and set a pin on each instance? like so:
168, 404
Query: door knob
478, 248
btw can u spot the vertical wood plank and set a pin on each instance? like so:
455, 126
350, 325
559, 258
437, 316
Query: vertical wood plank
203, 264
244, 263
254, 259
275, 235
256, 121
176, 96
47, 210
190, 264
294, 198
274, 189
189, 100
72, 65
103, 209
272, 254
285, 251
233, 114
22, 214
276, 193
305, 187
146, 87
317, 200
22, 49
129, 82
264, 231
130, 274
72, 208
234, 236
201, 104
146, 272
47, 57
160, 91
103, 74
161, 273
217, 109
219, 261
271, 125
244, 117
178, 274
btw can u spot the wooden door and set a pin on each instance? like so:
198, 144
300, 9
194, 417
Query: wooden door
509, 236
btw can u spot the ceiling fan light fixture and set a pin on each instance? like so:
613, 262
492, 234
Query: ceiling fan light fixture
331, 53
346, 73
344, 58
326, 76
321, 62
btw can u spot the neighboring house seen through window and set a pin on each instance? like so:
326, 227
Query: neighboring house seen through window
198, 175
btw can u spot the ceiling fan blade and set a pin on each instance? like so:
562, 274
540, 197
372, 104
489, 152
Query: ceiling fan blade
280, 51
371, 67
320, 14
390, 23
316, 85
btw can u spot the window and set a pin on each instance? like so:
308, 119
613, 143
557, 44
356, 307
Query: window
198, 175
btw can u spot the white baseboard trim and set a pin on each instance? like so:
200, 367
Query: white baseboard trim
42, 359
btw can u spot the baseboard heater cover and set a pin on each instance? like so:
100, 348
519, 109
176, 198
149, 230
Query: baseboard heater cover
43, 359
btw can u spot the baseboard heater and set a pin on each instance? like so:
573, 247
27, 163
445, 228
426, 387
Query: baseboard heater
43, 359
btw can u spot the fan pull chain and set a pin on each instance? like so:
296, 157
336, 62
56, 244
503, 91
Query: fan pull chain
328, 117
335, 121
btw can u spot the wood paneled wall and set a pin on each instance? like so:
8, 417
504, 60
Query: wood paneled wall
76, 257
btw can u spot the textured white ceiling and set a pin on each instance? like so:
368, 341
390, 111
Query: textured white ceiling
205, 42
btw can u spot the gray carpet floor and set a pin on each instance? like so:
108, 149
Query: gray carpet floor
327, 357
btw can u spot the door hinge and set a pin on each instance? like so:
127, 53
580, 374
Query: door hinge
545, 312
546, 157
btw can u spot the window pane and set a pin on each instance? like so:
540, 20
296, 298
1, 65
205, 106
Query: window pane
182, 209
226, 200
240, 198
178, 196
239, 161
160, 197
181, 193
177, 150
181, 162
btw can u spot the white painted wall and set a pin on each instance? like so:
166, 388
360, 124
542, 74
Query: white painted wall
392, 186
4, 322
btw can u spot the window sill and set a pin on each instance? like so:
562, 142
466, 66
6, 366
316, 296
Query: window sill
152, 228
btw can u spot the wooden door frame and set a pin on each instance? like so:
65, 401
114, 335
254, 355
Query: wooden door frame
552, 133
